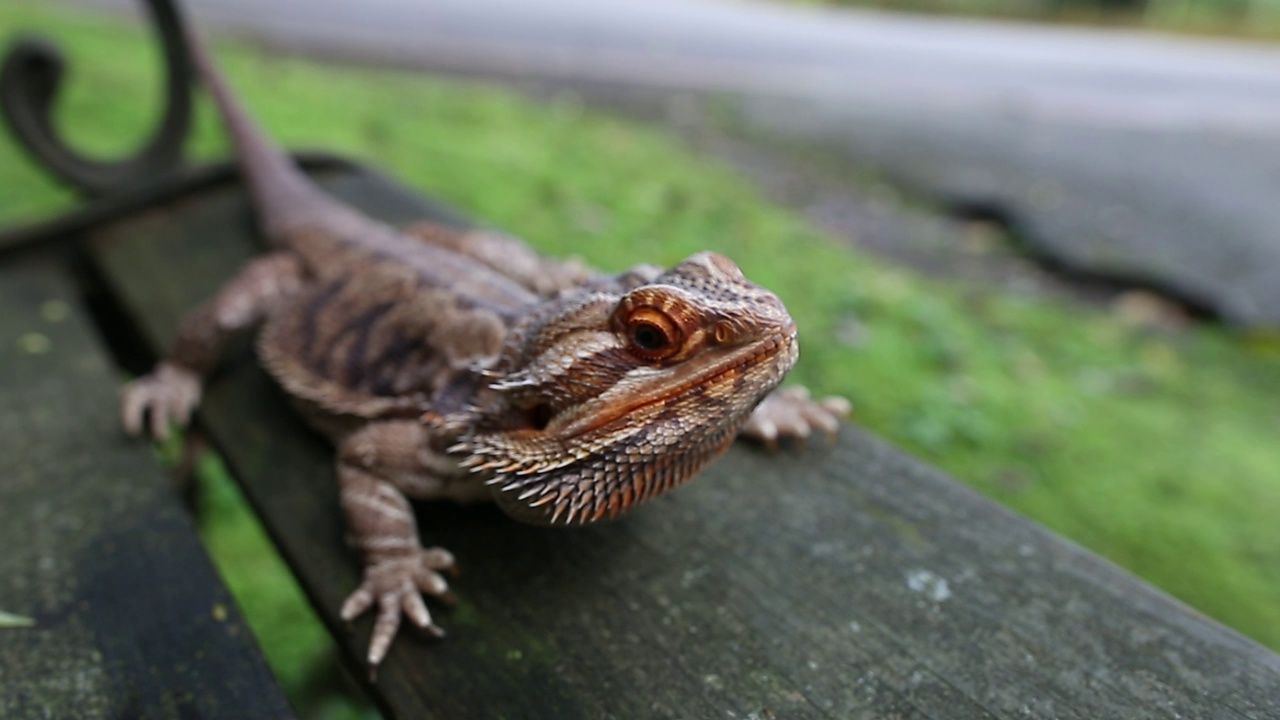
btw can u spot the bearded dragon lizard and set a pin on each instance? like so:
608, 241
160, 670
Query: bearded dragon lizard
461, 365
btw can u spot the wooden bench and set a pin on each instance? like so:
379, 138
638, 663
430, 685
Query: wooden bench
844, 581
114, 609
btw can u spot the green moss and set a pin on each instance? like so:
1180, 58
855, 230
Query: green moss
1155, 449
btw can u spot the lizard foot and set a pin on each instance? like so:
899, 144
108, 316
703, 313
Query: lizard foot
790, 413
166, 396
396, 584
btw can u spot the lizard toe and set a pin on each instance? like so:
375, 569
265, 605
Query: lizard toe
357, 603
159, 400
390, 606
396, 586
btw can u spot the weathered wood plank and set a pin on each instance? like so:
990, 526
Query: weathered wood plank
127, 616
849, 581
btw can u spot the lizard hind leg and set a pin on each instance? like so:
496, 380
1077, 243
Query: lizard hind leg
377, 466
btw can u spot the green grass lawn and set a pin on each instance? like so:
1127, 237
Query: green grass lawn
1157, 449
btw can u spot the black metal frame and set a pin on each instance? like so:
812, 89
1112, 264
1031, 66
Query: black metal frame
30, 79
29, 83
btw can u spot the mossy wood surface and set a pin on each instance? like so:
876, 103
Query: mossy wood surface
841, 581
109, 607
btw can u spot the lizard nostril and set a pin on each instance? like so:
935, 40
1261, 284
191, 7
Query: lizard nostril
723, 333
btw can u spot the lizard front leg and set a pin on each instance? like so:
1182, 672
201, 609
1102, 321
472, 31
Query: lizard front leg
171, 391
789, 413
378, 465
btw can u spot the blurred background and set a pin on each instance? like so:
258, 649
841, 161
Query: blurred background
1036, 242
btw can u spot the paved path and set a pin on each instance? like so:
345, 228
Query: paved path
1145, 158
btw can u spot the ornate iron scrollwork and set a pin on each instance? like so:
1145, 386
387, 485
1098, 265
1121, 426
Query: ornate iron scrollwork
29, 84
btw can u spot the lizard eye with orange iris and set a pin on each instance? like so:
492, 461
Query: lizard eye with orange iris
653, 335
648, 337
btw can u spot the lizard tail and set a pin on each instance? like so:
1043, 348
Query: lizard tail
285, 199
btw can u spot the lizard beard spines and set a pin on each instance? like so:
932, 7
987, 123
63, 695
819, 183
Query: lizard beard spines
602, 486
544, 478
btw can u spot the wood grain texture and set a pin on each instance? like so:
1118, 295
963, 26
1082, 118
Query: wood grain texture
129, 619
845, 581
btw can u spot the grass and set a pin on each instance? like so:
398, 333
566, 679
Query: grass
1156, 449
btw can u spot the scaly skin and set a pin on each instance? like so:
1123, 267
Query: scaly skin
462, 365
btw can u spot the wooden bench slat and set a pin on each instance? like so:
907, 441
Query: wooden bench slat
130, 618
837, 582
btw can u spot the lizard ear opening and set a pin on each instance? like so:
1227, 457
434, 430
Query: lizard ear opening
539, 416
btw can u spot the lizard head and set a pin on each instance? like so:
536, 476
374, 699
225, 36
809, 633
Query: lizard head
611, 396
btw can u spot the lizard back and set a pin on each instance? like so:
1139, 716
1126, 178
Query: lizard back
382, 341
372, 342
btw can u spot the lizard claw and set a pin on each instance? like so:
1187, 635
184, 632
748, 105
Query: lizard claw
790, 413
396, 585
167, 396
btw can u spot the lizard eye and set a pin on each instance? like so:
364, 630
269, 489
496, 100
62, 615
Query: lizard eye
652, 334
648, 337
